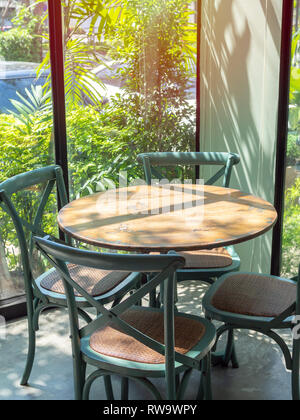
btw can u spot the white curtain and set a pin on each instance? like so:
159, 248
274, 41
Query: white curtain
240, 59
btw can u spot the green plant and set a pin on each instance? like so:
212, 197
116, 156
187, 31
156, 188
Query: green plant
36, 104
17, 45
23, 42
294, 85
161, 28
174, 130
80, 54
291, 233
293, 150
154, 42
80, 81
105, 140
21, 152
99, 148
295, 72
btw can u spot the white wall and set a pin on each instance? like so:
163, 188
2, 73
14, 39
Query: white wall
240, 56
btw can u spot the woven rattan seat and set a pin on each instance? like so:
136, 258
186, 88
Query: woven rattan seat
254, 295
96, 282
111, 342
215, 258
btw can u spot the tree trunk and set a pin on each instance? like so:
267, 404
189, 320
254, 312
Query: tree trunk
39, 11
6, 283
5, 13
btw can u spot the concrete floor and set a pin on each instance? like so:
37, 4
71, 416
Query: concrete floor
261, 376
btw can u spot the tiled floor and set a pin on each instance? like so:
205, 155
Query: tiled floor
261, 375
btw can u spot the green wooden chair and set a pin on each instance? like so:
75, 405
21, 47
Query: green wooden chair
206, 265
200, 265
47, 290
261, 303
132, 341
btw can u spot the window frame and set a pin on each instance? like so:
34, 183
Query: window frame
16, 307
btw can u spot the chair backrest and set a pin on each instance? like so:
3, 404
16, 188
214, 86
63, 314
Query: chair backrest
151, 161
48, 178
164, 267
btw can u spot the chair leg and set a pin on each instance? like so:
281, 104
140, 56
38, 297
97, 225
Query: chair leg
79, 378
108, 388
295, 370
124, 389
183, 384
31, 352
171, 383
204, 391
177, 382
200, 394
91, 379
234, 359
230, 353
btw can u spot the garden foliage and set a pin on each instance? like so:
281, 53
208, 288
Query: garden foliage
153, 41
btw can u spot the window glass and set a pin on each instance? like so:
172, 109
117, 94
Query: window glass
291, 231
25, 121
130, 86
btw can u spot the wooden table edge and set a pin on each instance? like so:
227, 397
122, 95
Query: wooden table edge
147, 249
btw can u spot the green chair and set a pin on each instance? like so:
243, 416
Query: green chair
200, 265
132, 341
47, 290
204, 265
261, 303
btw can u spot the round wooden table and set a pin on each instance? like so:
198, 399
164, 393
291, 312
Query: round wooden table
163, 218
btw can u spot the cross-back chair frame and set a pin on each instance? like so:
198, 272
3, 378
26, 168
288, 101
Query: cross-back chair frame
164, 267
264, 325
227, 161
164, 159
38, 300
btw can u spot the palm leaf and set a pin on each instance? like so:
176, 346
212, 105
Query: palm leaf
35, 103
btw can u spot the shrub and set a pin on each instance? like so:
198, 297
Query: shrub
293, 150
20, 152
154, 42
94, 144
291, 232
18, 45
100, 146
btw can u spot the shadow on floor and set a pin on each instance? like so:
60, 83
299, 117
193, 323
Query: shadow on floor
261, 376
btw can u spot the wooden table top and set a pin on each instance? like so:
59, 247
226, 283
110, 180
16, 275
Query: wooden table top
163, 218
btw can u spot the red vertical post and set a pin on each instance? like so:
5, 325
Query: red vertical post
58, 86
282, 130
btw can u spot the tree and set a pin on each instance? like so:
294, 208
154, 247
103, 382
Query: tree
24, 41
155, 42
5, 278
5, 12
80, 55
